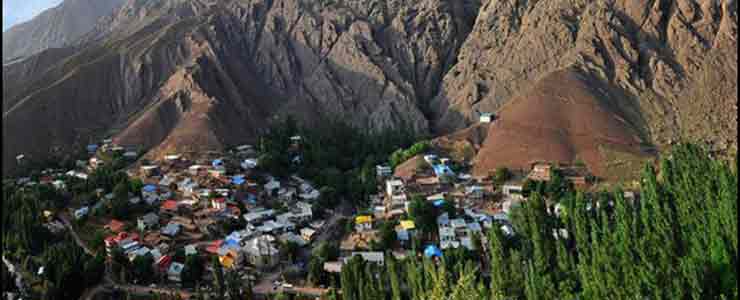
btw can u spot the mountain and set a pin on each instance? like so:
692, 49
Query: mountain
671, 65
565, 118
56, 27
193, 75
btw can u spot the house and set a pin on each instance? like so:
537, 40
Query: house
261, 252
292, 237
147, 221
96, 163
150, 170
149, 193
169, 206
486, 117
540, 172
398, 203
218, 203
475, 192
272, 186
307, 234
404, 230
394, 187
383, 171
115, 226
363, 223
59, 185
172, 157
507, 229
77, 174
249, 164
258, 215
287, 194
196, 169
474, 227
443, 171
188, 186
448, 238
274, 227
134, 200
174, 273
333, 266
171, 230
130, 154
217, 163
238, 180
166, 181
82, 212
227, 260
376, 257
513, 190
92, 148
467, 242
217, 173
510, 204
191, 250
143, 251
443, 220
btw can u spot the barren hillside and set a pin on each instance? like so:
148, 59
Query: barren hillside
176, 75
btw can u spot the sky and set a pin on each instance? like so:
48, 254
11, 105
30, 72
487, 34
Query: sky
19, 11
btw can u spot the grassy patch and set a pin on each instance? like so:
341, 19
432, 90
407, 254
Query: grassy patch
623, 166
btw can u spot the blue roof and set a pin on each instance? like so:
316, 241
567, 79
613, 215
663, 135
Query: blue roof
217, 162
432, 251
149, 188
238, 180
92, 147
440, 170
251, 198
439, 203
231, 243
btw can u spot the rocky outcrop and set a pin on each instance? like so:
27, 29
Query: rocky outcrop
245, 63
160, 73
654, 55
57, 27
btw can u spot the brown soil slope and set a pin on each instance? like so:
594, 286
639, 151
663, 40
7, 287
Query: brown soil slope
563, 118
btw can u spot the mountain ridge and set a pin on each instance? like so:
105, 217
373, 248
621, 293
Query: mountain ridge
427, 65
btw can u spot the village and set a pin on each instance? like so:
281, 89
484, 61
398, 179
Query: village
221, 207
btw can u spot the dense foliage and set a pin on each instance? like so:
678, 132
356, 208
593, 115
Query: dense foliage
337, 157
677, 241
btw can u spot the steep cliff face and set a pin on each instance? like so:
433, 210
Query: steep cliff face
191, 75
177, 75
57, 27
655, 55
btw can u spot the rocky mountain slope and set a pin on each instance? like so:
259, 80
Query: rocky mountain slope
565, 118
179, 75
671, 64
57, 27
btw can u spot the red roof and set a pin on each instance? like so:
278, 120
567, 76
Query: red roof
111, 240
219, 200
213, 247
169, 205
115, 225
164, 262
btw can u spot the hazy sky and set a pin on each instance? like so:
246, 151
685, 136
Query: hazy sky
18, 11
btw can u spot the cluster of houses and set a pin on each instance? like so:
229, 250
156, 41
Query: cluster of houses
189, 201
439, 185
193, 204
480, 206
